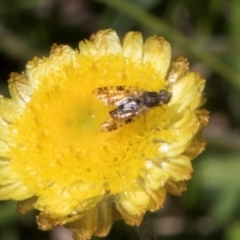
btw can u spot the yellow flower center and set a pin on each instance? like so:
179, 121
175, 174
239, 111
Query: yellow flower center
57, 136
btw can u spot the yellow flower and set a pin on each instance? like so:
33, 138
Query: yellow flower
54, 156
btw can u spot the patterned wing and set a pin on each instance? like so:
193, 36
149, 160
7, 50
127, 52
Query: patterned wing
122, 116
114, 95
111, 124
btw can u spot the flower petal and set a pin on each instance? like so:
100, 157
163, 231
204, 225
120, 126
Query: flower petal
154, 177
87, 48
15, 191
179, 168
134, 201
133, 46
8, 109
20, 88
156, 50
187, 93
157, 198
107, 42
178, 69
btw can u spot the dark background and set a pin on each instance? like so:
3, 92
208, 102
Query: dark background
205, 31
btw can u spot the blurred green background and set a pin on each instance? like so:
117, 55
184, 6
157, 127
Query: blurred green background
208, 33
